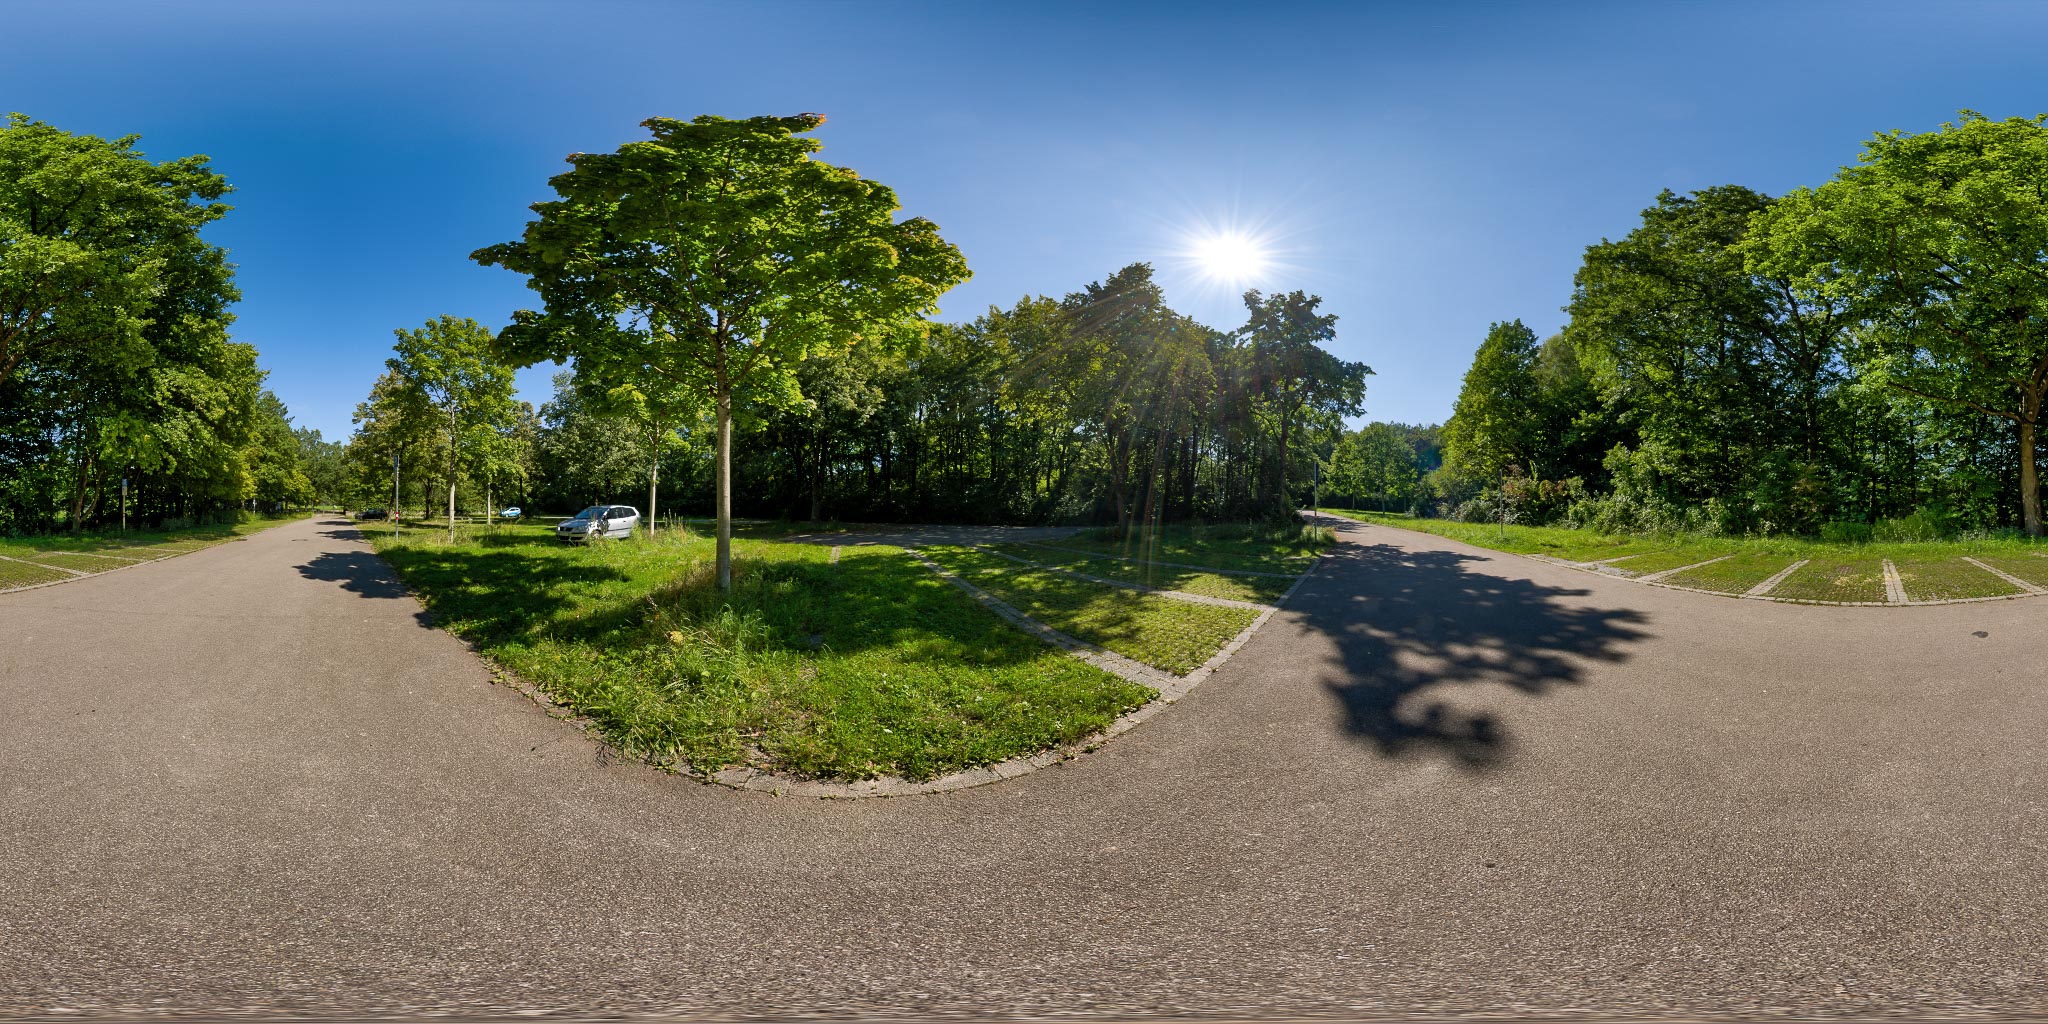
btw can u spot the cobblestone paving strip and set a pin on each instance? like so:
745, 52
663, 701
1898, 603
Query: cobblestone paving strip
43, 565
105, 554
1894, 588
1667, 573
2006, 576
1178, 595
1766, 586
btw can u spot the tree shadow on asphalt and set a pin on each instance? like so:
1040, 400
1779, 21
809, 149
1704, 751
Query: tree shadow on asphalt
1405, 621
491, 594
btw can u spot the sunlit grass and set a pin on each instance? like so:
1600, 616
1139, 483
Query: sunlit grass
1173, 635
866, 667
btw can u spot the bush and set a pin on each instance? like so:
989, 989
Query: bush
1845, 533
1920, 526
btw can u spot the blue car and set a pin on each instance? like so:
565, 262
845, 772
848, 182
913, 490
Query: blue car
510, 513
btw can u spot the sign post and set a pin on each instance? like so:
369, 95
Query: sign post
124, 505
394, 494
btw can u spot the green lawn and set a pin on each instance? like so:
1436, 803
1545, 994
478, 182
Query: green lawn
98, 552
1736, 574
1261, 589
1231, 547
1948, 579
867, 667
1929, 571
2031, 566
1165, 633
1662, 561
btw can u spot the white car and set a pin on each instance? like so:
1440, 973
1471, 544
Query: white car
600, 521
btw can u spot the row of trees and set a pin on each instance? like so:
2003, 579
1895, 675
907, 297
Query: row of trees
1104, 406
115, 358
1875, 348
716, 279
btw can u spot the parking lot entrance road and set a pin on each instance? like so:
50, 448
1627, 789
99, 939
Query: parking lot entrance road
252, 780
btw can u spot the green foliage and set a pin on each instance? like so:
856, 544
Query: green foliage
1496, 420
707, 262
114, 355
1935, 241
865, 667
1168, 634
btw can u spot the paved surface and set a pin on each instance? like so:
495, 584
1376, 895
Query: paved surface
1443, 781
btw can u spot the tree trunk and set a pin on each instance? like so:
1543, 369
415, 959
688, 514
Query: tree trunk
653, 479
725, 490
2030, 481
451, 474
817, 475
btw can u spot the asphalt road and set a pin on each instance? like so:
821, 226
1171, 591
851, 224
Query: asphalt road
1442, 781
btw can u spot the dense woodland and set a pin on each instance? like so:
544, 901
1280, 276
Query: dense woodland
1870, 354
1104, 406
115, 358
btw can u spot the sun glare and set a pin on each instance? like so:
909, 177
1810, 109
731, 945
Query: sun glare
1231, 258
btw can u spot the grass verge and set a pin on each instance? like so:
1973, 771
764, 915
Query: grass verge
98, 552
1260, 589
1948, 579
866, 667
1237, 547
1930, 571
1736, 574
1175, 636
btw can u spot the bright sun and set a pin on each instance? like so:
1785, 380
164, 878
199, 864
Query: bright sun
1231, 258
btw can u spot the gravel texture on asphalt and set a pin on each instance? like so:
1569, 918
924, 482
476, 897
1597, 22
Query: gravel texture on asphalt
1441, 781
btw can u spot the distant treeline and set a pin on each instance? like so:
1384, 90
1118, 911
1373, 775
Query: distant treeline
115, 359
1103, 406
1869, 353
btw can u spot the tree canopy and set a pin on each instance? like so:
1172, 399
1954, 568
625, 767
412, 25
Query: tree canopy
714, 258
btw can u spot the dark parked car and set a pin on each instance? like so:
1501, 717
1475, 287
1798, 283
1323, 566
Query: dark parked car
373, 513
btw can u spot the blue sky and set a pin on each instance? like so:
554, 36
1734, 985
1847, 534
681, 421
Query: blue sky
1426, 168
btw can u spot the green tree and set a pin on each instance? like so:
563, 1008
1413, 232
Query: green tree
449, 366
728, 254
1294, 374
1936, 241
92, 235
1497, 419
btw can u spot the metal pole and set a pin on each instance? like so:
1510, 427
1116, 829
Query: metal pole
394, 494
124, 505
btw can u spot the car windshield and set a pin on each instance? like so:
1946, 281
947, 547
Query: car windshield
593, 512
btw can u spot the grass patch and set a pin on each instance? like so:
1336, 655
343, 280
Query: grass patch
1659, 561
1239, 547
138, 543
1551, 541
21, 574
1176, 636
1261, 589
867, 667
79, 562
2029, 566
1736, 574
1948, 579
1835, 579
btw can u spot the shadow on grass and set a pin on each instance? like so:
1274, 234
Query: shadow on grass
860, 603
493, 594
1406, 622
